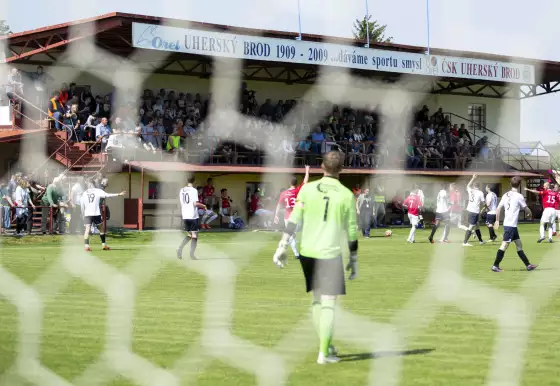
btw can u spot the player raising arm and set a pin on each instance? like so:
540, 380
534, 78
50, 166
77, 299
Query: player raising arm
476, 199
548, 217
512, 202
91, 210
288, 200
326, 209
442, 212
188, 199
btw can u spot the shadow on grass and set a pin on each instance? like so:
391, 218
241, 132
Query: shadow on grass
383, 354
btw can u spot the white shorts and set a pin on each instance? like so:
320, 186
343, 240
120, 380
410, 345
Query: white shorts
414, 220
298, 226
225, 211
548, 215
558, 215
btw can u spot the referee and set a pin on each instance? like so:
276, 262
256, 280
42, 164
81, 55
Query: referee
326, 208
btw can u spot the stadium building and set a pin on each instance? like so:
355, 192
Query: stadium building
477, 90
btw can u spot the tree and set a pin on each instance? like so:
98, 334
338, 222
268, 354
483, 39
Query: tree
4, 28
376, 30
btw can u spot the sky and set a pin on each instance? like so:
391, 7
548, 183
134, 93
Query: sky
494, 26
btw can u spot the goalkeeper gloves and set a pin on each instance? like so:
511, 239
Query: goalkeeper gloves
280, 258
353, 266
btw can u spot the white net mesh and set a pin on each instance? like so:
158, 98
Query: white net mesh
513, 311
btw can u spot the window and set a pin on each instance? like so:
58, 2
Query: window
477, 117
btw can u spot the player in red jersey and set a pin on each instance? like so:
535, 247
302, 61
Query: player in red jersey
413, 203
557, 208
226, 208
455, 212
549, 202
287, 200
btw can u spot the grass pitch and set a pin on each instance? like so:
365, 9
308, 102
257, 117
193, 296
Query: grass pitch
233, 318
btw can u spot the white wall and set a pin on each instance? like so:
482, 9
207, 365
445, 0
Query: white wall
503, 116
5, 116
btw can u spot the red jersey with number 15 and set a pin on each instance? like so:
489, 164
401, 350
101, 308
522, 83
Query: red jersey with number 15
288, 199
549, 198
414, 203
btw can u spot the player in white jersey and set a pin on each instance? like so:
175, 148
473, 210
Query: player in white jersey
91, 210
442, 212
491, 205
512, 202
188, 199
476, 199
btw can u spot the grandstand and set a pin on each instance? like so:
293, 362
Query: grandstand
465, 113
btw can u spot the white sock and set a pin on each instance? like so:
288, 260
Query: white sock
541, 230
445, 232
412, 233
294, 245
554, 227
550, 226
204, 218
212, 218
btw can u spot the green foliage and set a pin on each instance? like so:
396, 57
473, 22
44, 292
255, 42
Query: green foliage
376, 30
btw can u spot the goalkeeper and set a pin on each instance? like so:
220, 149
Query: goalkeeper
327, 211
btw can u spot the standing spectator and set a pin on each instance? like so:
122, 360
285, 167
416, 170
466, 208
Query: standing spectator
22, 202
304, 150
6, 207
36, 190
63, 95
41, 81
102, 132
52, 201
14, 85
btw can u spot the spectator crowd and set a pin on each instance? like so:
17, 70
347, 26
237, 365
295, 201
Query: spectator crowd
167, 123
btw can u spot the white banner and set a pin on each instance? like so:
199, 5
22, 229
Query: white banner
207, 43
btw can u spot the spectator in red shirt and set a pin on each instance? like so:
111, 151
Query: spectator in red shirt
63, 95
208, 193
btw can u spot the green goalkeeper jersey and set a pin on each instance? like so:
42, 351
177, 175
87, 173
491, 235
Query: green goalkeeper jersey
327, 211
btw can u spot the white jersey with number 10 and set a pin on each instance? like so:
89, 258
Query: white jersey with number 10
188, 197
512, 202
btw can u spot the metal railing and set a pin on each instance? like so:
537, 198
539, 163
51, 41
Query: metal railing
520, 158
487, 158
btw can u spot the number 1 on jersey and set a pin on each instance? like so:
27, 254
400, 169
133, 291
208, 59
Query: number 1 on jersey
326, 208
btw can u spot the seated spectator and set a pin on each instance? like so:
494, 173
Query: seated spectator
174, 143
412, 160
463, 132
115, 145
56, 111
73, 124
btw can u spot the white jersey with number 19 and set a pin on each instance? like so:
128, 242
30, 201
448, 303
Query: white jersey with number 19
90, 201
188, 197
512, 202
